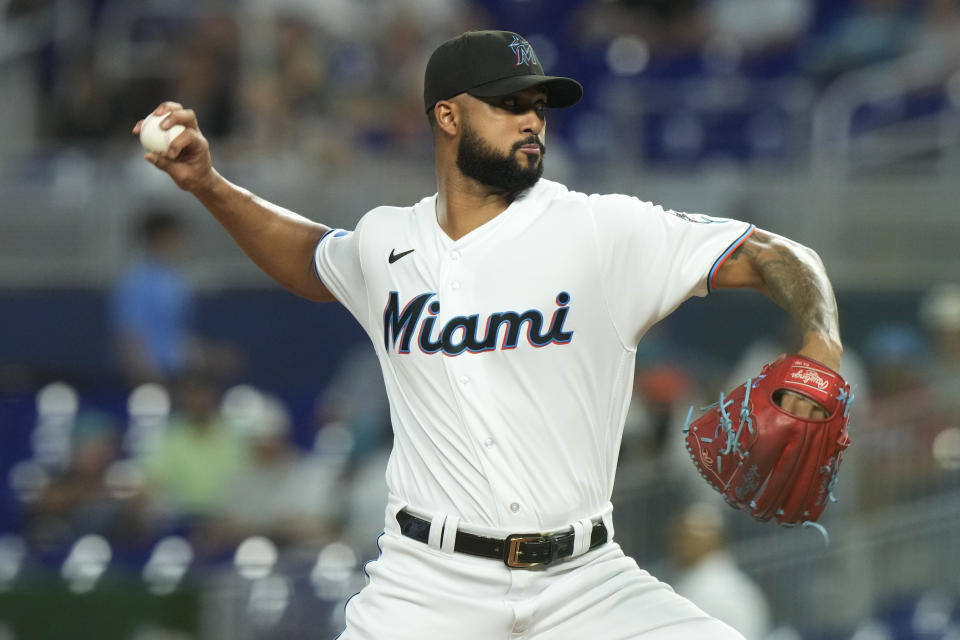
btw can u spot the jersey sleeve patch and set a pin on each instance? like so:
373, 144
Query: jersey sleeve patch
726, 254
335, 233
698, 218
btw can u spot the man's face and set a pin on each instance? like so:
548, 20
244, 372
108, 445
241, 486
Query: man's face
501, 144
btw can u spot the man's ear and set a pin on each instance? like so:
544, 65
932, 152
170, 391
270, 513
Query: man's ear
448, 116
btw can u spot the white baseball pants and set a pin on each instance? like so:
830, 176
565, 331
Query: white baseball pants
416, 592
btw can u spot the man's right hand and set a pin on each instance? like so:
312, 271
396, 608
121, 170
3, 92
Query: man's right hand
187, 159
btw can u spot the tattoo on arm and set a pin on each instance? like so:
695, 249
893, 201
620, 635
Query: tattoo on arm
794, 277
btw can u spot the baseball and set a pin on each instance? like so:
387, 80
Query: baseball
155, 139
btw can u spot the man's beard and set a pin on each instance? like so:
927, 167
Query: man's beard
478, 160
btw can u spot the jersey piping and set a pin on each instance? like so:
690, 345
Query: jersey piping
726, 254
316, 249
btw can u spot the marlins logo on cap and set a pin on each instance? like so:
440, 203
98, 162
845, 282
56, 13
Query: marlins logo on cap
524, 51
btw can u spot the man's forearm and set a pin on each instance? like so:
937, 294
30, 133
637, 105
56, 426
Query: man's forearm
794, 277
279, 241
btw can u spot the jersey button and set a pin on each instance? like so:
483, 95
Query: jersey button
464, 379
515, 507
455, 285
454, 255
488, 443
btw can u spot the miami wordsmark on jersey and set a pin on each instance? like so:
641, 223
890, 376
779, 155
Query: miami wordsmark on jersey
502, 329
508, 354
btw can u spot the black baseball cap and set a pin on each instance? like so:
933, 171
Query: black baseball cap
486, 64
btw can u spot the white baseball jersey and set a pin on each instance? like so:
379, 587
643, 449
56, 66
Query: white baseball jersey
508, 355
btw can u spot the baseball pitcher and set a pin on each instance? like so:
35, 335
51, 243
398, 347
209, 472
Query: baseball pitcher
505, 310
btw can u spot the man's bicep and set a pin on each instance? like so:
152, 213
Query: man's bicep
295, 267
740, 270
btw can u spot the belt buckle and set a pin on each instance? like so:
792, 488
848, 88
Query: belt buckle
512, 551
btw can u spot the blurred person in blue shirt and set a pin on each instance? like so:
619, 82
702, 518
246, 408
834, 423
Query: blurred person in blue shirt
153, 305
153, 313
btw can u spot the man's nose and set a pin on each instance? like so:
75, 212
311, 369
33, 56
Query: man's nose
532, 122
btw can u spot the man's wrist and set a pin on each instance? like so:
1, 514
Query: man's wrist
822, 348
211, 186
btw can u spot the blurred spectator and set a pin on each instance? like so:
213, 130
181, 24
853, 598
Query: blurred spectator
80, 102
758, 25
18, 8
897, 360
352, 418
709, 576
940, 315
398, 114
207, 71
937, 42
872, 31
153, 310
284, 99
668, 26
334, 79
339, 18
366, 493
78, 501
668, 378
905, 418
356, 399
153, 305
291, 499
660, 391
199, 457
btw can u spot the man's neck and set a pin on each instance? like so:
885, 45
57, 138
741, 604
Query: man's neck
463, 204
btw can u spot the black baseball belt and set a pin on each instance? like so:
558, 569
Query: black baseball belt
519, 550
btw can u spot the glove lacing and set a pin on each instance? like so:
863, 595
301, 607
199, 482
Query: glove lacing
726, 423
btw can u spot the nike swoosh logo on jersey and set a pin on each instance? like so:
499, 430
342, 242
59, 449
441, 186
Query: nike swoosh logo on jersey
396, 256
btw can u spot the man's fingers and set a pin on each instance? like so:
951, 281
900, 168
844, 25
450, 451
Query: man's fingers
164, 164
796, 405
178, 144
167, 107
178, 113
801, 407
158, 161
186, 117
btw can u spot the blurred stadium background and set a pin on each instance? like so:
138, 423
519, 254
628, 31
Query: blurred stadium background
233, 489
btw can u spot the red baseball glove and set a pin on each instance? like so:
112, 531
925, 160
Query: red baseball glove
765, 459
